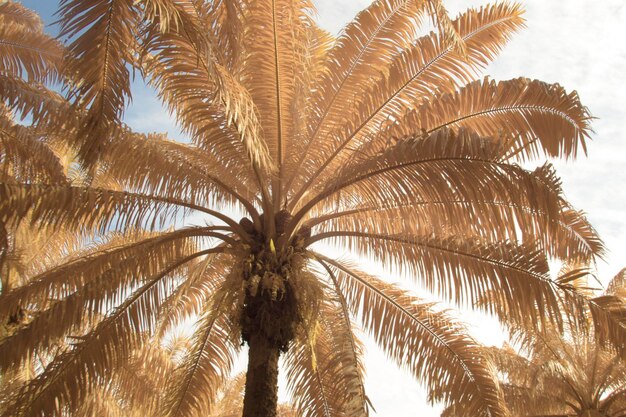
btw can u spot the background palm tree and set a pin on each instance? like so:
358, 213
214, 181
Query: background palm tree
562, 374
375, 141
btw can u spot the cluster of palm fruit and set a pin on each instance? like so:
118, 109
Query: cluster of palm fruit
272, 305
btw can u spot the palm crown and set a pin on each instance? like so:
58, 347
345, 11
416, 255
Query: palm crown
377, 141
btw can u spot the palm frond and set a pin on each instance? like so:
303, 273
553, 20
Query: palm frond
274, 41
133, 158
565, 233
316, 58
91, 209
46, 107
83, 299
17, 14
349, 351
601, 318
617, 285
558, 371
191, 297
138, 382
324, 369
230, 401
430, 344
226, 21
524, 385
575, 238
101, 401
194, 388
416, 73
357, 59
66, 380
33, 250
25, 157
434, 168
25, 51
466, 271
569, 236
609, 321
182, 65
89, 264
103, 37
534, 116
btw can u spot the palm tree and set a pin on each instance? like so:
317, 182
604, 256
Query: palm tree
563, 374
377, 141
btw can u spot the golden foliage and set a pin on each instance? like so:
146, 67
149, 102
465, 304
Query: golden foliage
404, 325
413, 74
557, 373
381, 142
25, 50
536, 115
101, 34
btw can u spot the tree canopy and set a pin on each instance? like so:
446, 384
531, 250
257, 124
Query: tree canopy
383, 142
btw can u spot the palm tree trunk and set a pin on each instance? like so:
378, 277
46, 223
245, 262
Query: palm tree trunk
261, 395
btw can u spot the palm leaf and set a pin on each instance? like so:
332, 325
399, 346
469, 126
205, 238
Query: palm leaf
16, 14
195, 385
569, 236
133, 157
182, 65
536, 116
609, 320
89, 264
429, 343
83, 297
67, 379
464, 271
103, 36
275, 43
617, 285
25, 51
427, 66
324, 369
93, 209
434, 168
357, 58
25, 157
46, 107
192, 296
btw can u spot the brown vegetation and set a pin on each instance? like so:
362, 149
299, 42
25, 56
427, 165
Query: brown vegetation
379, 142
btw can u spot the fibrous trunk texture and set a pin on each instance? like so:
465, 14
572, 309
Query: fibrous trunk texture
261, 395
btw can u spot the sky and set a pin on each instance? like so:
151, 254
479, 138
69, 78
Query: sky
579, 44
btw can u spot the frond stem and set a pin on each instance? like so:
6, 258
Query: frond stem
505, 109
346, 317
29, 48
205, 339
277, 188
